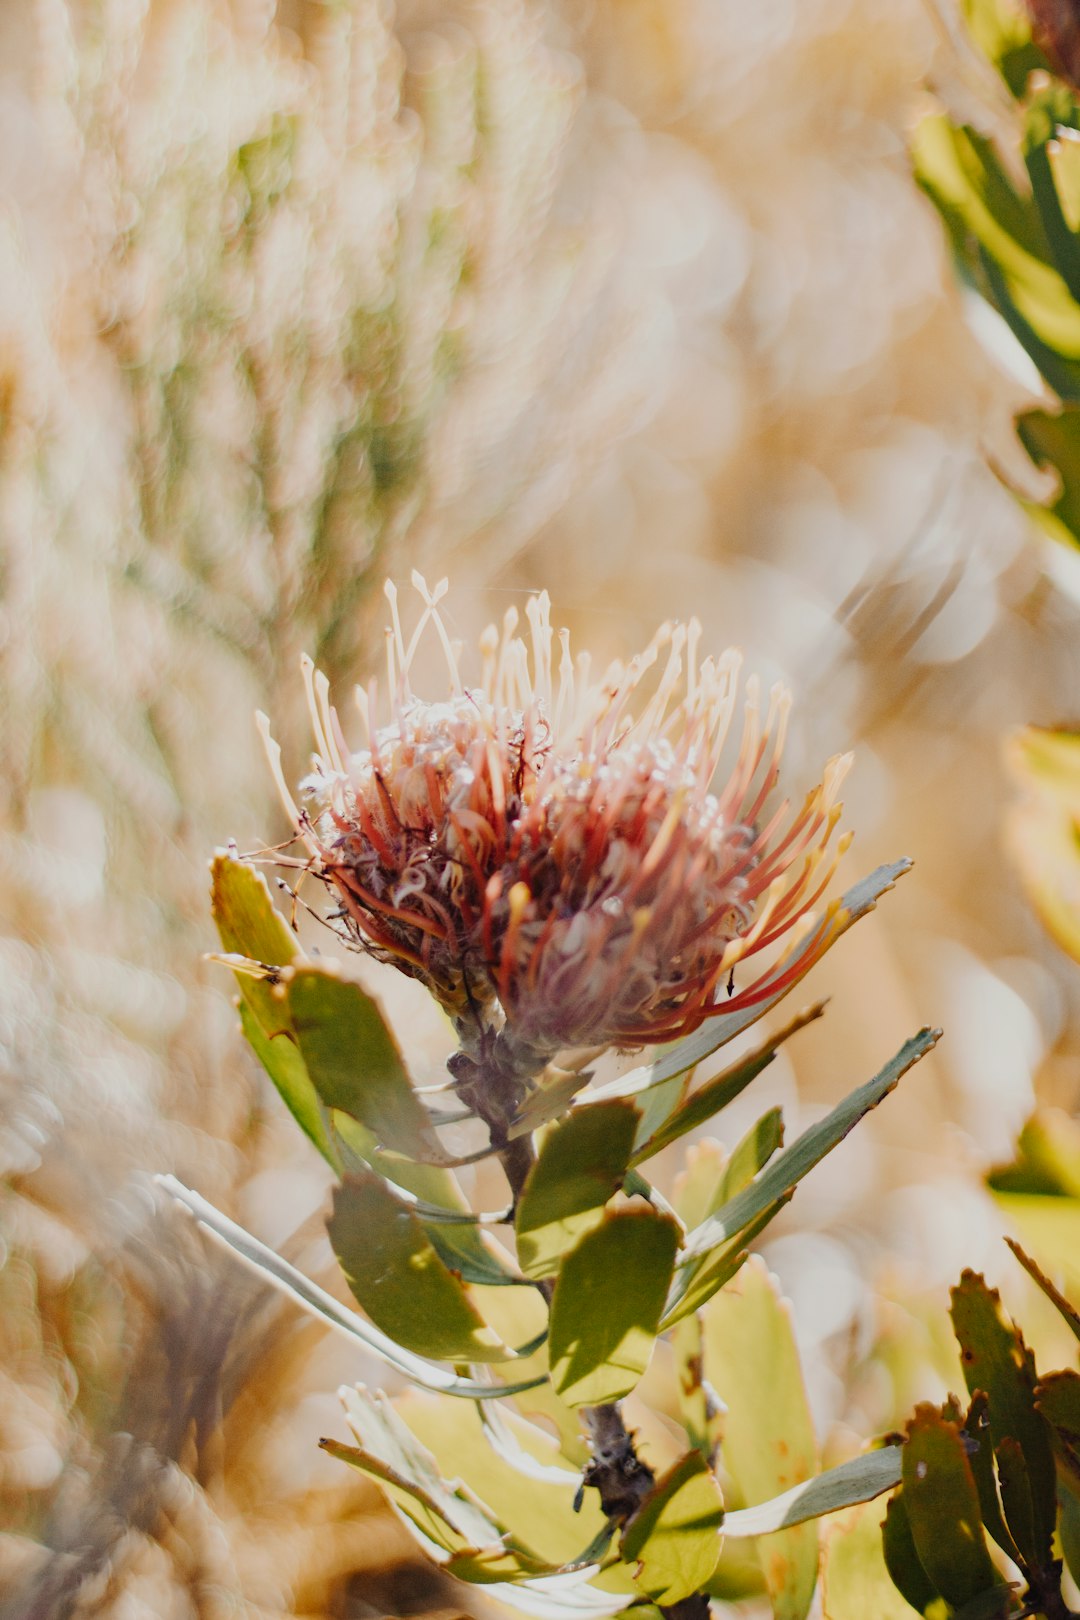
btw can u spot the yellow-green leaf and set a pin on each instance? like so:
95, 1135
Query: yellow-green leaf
581, 1163
855, 1584
768, 1444
253, 931
1044, 828
538, 1512
674, 1537
396, 1275
607, 1303
353, 1059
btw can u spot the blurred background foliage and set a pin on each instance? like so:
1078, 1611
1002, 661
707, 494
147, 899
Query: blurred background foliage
632, 299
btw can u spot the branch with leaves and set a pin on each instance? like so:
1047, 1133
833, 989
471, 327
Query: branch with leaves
551, 856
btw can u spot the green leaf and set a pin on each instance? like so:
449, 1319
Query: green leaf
695, 1284
768, 1441
250, 927
700, 1106
859, 1479
1057, 1397
279, 1055
996, 1360
723, 1027
396, 1275
354, 1062
1045, 112
942, 1506
1014, 1485
855, 1583
549, 1099
1069, 1531
318, 1303
785, 1172
981, 1456
440, 1205
962, 172
674, 1537
255, 934
1002, 32
1051, 439
581, 1163
902, 1559
750, 1155
1047, 1158
699, 1408
607, 1303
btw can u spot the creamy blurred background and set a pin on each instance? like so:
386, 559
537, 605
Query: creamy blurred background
633, 300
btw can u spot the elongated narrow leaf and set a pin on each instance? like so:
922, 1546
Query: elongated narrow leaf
859, 1480
581, 1163
354, 1062
995, 1359
701, 1105
1068, 1312
1045, 112
446, 1515
942, 1507
317, 1302
398, 1278
607, 1304
980, 1447
723, 1027
695, 1284
768, 1434
388, 1451
674, 1537
560, 1597
787, 1171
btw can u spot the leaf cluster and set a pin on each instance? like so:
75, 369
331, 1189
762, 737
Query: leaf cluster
989, 1504
1012, 210
552, 1307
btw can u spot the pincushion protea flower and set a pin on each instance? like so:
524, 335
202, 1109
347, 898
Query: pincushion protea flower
554, 852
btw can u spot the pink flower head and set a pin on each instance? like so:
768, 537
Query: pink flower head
556, 852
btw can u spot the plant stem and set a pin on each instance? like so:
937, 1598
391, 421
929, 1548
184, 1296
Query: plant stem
494, 1087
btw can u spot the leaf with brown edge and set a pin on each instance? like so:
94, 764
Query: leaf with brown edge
942, 1508
995, 1359
1069, 1314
